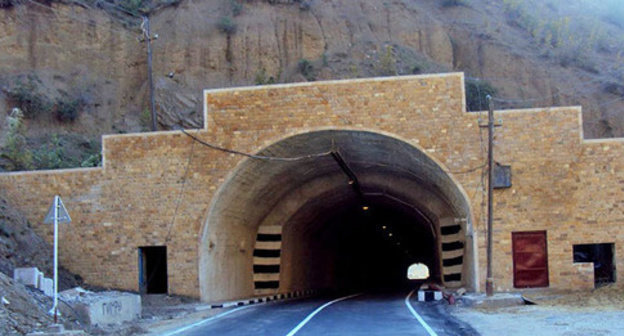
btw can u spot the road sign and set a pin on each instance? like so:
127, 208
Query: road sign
56, 214
62, 214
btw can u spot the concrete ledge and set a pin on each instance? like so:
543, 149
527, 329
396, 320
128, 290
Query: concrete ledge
260, 299
102, 308
498, 300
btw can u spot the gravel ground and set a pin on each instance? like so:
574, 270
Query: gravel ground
598, 312
538, 321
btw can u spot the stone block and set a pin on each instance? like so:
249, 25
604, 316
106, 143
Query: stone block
498, 300
103, 308
429, 295
27, 275
47, 286
40, 280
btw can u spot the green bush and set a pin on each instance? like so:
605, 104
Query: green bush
67, 110
387, 63
14, 149
519, 15
133, 6
454, 3
476, 93
94, 160
261, 78
227, 25
27, 97
51, 155
7, 3
305, 6
306, 68
236, 7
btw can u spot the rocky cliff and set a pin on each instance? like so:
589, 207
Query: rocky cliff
532, 53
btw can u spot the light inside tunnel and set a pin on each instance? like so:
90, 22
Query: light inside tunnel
352, 221
418, 271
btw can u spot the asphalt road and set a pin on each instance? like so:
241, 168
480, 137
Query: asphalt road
364, 314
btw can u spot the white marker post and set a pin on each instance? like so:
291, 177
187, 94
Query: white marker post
56, 214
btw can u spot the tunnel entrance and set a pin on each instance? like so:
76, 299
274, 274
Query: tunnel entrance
315, 222
357, 244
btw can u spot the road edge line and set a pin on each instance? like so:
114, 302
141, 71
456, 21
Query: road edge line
420, 319
196, 324
316, 311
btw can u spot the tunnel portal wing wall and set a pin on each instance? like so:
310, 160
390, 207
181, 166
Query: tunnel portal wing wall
156, 189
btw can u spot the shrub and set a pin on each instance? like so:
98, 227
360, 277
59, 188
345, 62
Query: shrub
576, 56
227, 25
387, 63
133, 6
94, 160
7, 3
67, 110
305, 6
146, 119
454, 3
518, 14
15, 149
237, 7
476, 92
262, 78
28, 98
50, 155
306, 68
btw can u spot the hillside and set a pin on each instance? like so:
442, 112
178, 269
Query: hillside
77, 69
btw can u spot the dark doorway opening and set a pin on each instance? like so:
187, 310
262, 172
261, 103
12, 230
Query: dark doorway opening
603, 257
153, 269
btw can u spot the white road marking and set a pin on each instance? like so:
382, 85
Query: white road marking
309, 317
422, 322
212, 318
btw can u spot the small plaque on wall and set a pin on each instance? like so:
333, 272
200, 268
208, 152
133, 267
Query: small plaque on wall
502, 176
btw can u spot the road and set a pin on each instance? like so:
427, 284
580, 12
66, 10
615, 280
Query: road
363, 314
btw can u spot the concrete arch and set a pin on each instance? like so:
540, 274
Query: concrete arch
260, 198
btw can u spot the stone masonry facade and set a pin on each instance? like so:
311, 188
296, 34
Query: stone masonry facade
157, 188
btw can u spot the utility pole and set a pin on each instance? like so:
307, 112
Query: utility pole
147, 37
489, 281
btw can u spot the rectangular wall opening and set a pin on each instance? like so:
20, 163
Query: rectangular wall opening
603, 257
153, 269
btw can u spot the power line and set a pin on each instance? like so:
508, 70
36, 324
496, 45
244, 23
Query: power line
257, 157
181, 194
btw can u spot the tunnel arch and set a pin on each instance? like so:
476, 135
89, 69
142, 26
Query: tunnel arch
264, 212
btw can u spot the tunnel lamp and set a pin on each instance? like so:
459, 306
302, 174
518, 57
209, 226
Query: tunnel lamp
383, 227
390, 234
364, 208
351, 182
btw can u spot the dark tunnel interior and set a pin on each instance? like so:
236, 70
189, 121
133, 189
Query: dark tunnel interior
366, 245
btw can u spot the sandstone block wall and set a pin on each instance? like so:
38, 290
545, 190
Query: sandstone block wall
157, 188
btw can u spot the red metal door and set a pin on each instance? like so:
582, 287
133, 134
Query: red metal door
530, 259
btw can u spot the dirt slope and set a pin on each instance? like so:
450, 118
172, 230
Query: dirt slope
535, 53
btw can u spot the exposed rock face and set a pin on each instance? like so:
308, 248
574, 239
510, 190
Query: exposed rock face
84, 51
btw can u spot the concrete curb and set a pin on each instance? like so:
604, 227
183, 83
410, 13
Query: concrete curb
499, 300
261, 299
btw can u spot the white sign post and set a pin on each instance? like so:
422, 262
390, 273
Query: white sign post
56, 214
